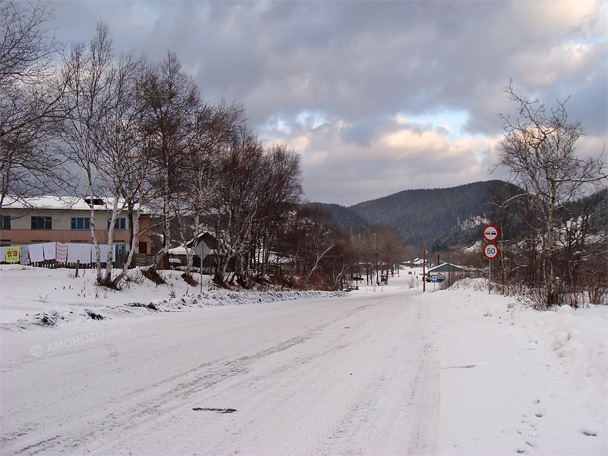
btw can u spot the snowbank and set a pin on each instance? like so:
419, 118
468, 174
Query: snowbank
578, 340
52, 297
573, 344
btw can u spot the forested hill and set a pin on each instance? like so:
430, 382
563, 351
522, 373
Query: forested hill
445, 214
450, 216
340, 216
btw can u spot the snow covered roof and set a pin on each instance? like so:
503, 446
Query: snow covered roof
180, 250
205, 237
417, 262
446, 267
63, 203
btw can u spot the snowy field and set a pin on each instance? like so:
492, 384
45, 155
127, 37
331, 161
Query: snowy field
175, 370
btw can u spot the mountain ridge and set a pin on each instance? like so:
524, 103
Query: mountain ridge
441, 215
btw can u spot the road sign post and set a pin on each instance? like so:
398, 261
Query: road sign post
490, 234
202, 250
423, 265
490, 251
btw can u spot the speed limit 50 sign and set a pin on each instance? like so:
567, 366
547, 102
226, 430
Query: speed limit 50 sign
490, 251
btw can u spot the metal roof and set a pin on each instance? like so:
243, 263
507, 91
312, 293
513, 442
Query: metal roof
446, 267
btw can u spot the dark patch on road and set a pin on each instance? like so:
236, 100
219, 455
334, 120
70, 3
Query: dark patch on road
218, 410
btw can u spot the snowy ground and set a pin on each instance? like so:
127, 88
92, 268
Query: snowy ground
384, 370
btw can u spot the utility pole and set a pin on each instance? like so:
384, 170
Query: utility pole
376, 258
490, 278
388, 260
423, 265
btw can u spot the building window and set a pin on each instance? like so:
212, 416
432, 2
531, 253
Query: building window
121, 249
42, 223
81, 223
121, 223
5, 222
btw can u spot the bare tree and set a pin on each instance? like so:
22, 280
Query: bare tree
311, 244
216, 126
236, 204
171, 102
280, 191
121, 159
87, 74
389, 248
255, 189
539, 150
29, 99
581, 241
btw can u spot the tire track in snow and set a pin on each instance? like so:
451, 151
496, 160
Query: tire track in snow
402, 397
150, 404
273, 418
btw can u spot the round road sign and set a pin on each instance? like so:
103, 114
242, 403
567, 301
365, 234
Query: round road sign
490, 232
490, 251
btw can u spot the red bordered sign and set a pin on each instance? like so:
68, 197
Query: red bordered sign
490, 251
490, 233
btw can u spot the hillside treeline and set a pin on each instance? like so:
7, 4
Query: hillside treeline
443, 216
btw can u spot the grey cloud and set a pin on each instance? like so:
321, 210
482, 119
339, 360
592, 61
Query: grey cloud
359, 64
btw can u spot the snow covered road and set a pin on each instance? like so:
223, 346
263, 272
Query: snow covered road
382, 371
306, 377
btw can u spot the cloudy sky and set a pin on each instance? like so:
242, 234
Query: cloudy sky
376, 96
